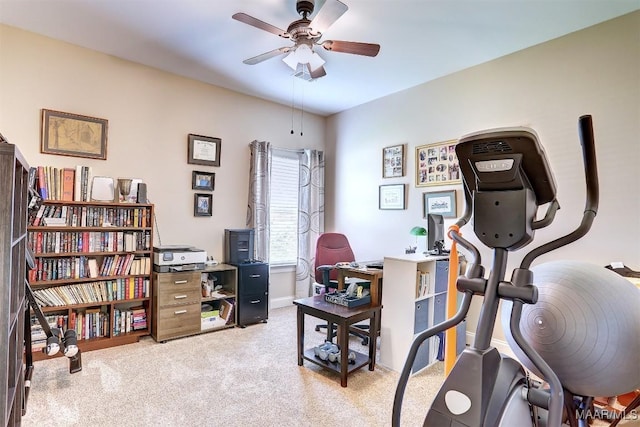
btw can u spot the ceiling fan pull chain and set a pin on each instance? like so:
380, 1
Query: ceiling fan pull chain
293, 91
302, 112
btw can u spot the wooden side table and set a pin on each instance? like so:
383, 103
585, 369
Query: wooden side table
342, 316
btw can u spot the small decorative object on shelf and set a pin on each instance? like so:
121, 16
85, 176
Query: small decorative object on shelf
124, 188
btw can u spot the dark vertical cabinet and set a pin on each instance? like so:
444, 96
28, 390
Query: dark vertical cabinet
252, 303
14, 174
253, 293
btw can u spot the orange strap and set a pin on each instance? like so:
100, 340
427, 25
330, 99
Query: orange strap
452, 302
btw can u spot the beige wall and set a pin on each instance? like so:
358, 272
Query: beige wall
150, 114
547, 87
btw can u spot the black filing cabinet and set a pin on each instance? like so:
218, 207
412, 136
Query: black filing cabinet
253, 293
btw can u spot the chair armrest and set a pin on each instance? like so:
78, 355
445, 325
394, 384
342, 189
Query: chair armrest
326, 281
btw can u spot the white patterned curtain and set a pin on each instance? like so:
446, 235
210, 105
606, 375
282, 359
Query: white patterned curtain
310, 218
259, 194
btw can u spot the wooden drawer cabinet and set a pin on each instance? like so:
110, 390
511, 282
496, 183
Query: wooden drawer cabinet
179, 300
177, 321
176, 305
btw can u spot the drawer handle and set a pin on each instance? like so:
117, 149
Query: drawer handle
180, 312
180, 297
180, 282
254, 276
255, 301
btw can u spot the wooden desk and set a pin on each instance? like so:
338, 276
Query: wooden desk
342, 316
373, 275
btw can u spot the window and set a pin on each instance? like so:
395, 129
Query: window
283, 208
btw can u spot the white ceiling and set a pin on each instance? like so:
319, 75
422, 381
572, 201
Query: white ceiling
420, 39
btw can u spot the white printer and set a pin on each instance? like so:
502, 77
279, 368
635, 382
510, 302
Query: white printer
178, 258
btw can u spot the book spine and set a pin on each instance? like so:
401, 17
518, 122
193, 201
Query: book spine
68, 183
42, 183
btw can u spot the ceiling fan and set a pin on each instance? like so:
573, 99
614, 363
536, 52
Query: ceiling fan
306, 35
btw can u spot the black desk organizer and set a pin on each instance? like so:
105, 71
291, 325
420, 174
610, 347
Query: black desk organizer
343, 298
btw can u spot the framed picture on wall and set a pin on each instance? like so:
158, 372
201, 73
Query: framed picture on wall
437, 164
392, 196
68, 134
203, 150
441, 203
393, 161
202, 204
203, 180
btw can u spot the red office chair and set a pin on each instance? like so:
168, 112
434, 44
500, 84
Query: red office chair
332, 248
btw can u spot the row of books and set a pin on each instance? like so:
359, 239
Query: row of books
56, 242
120, 265
90, 323
38, 335
90, 216
70, 184
93, 292
424, 286
82, 267
133, 319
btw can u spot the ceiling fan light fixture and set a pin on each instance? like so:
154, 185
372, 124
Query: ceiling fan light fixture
303, 54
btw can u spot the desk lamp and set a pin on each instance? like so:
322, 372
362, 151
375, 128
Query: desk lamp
419, 232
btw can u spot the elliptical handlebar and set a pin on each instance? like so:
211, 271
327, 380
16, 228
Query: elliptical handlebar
556, 399
587, 142
591, 167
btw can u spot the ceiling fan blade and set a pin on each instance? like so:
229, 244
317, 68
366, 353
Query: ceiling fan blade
255, 22
267, 55
357, 48
317, 73
327, 15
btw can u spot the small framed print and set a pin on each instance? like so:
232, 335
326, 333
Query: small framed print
68, 134
393, 161
437, 164
441, 203
392, 196
203, 180
204, 150
202, 204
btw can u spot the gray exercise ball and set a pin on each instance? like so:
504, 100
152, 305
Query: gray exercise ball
585, 325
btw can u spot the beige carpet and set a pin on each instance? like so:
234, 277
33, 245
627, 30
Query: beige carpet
235, 377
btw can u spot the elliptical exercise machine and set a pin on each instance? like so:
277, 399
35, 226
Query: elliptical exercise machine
506, 179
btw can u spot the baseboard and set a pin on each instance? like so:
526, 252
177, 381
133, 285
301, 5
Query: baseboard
280, 302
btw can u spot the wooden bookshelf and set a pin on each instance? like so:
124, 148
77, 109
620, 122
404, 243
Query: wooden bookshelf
14, 172
94, 265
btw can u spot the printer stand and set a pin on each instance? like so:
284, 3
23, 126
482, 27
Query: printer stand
179, 307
